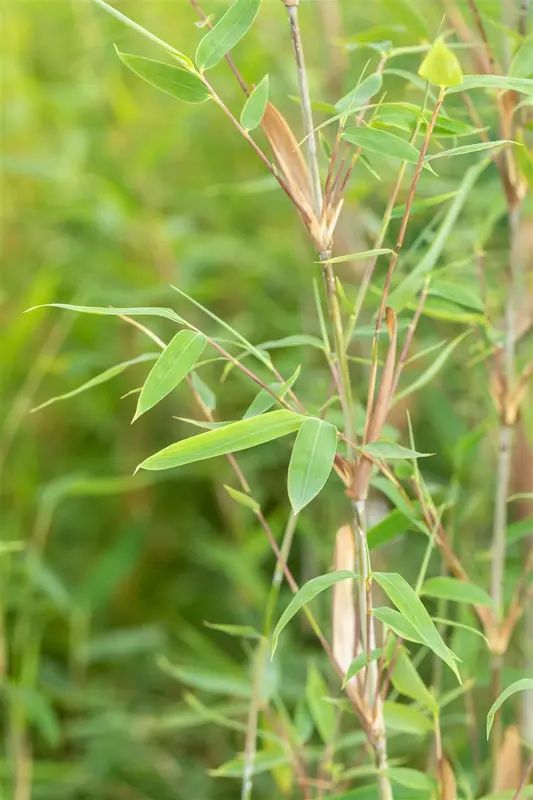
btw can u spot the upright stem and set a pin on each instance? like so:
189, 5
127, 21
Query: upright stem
340, 350
305, 99
503, 479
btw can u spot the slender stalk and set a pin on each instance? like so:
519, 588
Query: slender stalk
260, 658
307, 114
524, 780
506, 434
340, 351
396, 252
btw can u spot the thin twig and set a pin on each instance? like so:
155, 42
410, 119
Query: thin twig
307, 113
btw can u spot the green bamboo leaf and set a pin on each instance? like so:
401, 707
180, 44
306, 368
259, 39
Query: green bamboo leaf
391, 450
242, 499
308, 591
508, 84
452, 623
408, 682
239, 631
175, 81
414, 281
412, 779
422, 205
360, 662
230, 439
522, 63
389, 528
409, 604
524, 684
207, 396
229, 30
464, 295
297, 340
364, 254
174, 363
207, 680
403, 718
360, 96
264, 400
469, 148
441, 66
103, 377
382, 142
433, 369
264, 761
323, 713
116, 312
183, 59
254, 108
311, 461
398, 624
454, 589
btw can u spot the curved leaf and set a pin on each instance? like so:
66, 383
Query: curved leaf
104, 376
382, 142
360, 95
391, 450
254, 108
181, 57
409, 604
229, 439
518, 686
229, 30
469, 148
524, 85
360, 662
115, 312
308, 591
454, 589
403, 718
177, 82
398, 624
408, 682
311, 461
174, 363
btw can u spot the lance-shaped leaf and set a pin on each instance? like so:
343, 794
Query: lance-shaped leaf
103, 377
507, 84
181, 57
115, 312
360, 95
174, 363
382, 142
518, 686
409, 604
308, 591
399, 624
230, 439
433, 369
242, 499
360, 661
407, 681
254, 108
469, 148
391, 450
453, 589
177, 82
264, 400
229, 30
311, 461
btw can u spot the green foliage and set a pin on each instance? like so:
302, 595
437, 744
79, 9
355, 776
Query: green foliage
138, 612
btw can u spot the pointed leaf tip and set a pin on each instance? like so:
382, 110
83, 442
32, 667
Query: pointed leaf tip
311, 461
172, 366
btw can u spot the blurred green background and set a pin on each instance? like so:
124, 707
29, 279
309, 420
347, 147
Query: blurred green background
113, 191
